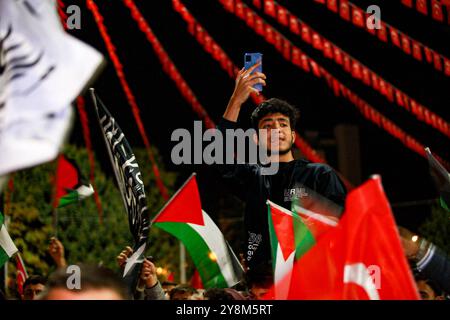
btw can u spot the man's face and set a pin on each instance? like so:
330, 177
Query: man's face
31, 291
426, 292
283, 138
87, 294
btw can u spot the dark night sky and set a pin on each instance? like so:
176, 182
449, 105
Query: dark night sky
405, 174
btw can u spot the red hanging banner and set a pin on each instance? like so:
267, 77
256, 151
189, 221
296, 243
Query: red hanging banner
394, 37
332, 5
421, 6
344, 10
436, 10
358, 17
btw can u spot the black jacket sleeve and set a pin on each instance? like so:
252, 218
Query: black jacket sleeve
331, 186
235, 174
436, 266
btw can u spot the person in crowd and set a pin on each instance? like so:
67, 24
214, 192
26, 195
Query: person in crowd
167, 286
248, 180
259, 281
33, 286
432, 262
148, 287
428, 289
226, 294
95, 283
183, 292
56, 251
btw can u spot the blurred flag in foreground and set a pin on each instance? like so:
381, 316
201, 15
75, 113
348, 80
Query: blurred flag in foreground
42, 71
360, 258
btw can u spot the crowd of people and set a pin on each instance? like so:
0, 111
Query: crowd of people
101, 283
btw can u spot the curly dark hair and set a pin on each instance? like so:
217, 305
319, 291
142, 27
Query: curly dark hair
275, 105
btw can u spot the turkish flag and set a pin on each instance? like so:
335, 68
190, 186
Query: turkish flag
436, 10
270, 37
437, 61
208, 43
417, 51
305, 62
269, 8
394, 37
257, 3
358, 17
421, 6
283, 16
250, 19
296, 56
407, 3
356, 70
336, 87
428, 54
375, 81
259, 26
278, 41
362, 258
337, 55
332, 5
294, 25
327, 51
347, 63
366, 76
382, 33
240, 10
447, 67
317, 41
315, 69
287, 49
406, 45
229, 5
344, 10
306, 34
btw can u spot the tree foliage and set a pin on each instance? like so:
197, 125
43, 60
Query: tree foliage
79, 229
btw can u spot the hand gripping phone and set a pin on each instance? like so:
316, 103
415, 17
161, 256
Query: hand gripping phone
251, 59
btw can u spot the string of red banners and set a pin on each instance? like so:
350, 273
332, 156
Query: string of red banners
349, 64
218, 54
298, 58
350, 12
436, 8
187, 93
169, 67
129, 94
214, 49
87, 140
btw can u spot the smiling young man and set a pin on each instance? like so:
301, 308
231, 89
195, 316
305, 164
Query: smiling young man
294, 179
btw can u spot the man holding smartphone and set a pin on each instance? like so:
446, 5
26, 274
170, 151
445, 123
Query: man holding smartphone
256, 188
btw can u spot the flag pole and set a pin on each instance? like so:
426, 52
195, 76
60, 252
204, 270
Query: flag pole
182, 263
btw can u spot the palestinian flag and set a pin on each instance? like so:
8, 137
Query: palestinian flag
441, 179
292, 234
184, 218
71, 187
7, 247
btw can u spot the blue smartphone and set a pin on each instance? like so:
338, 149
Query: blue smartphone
251, 59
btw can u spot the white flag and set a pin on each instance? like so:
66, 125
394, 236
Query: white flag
42, 71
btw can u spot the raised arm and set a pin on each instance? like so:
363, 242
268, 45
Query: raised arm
242, 90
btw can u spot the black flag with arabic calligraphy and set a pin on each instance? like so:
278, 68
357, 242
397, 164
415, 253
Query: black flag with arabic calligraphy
129, 179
